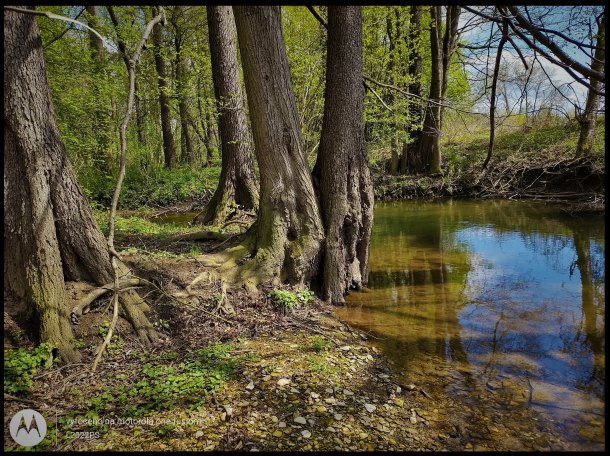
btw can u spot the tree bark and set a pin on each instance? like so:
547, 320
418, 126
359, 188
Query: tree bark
237, 184
169, 150
344, 184
429, 149
588, 119
288, 234
409, 159
47, 220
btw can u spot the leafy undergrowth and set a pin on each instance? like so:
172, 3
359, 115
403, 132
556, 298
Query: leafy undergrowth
153, 186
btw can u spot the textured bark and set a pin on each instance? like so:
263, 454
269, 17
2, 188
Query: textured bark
588, 119
344, 183
289, 231
429, 150
409, 159
237, 184
47, 220
169, 150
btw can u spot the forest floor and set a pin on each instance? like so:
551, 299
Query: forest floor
270, 378
235, 371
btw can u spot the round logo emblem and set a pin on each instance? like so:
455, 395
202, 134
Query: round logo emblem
28, 427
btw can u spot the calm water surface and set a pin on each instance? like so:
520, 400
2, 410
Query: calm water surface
498, 305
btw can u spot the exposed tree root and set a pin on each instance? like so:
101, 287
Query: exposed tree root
83, 306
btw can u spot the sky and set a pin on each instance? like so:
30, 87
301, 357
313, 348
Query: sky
558, 20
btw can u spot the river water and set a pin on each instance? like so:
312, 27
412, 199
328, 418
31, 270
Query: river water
497, 308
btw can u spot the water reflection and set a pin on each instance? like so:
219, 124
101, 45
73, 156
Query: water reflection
497, 296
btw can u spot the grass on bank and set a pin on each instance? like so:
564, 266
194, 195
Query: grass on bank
463, 146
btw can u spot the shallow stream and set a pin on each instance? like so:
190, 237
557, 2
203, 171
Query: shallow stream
496, 308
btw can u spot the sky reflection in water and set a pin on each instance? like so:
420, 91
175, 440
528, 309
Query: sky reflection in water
500, 289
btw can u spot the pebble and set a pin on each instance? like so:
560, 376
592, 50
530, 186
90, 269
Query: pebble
281, 424
370, 407
338, 416
198, 434
300, 420
330, 429
315, 395
283, 381
250, 386
306, 433
348, 392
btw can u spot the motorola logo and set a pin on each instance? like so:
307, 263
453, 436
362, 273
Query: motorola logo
28, 427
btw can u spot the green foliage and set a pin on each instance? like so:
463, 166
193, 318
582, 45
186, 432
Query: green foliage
305, 296
20, 365
283, 298
163, 383
319, 344
289, 300
81, 341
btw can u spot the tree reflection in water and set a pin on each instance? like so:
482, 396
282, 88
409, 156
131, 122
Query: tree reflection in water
485, 295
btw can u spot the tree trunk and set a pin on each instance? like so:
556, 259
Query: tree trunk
138, 102
187, 154
100, 115
289, 233
588, 119
47, 220
410, 160
429, 150
393, 36
344, 183
449, 46
169, 151
237, 184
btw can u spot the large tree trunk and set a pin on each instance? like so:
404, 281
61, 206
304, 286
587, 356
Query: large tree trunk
588, 119
410, 160
47, 220
237, 184
169, 150
344, 182
429, 149
289, 231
